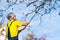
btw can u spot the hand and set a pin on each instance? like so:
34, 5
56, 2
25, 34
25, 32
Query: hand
28, 22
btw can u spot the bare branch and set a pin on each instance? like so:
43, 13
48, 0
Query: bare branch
29, 3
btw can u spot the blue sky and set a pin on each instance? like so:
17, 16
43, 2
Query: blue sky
50, 23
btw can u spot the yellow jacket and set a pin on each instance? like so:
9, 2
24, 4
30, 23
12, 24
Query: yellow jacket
13, 28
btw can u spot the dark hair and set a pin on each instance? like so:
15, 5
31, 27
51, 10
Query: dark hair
9, 15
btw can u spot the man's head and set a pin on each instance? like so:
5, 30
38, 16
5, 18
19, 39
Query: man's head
11, 16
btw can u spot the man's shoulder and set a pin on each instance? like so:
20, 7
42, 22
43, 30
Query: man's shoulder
17, 21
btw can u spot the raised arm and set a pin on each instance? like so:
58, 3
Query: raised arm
25, 23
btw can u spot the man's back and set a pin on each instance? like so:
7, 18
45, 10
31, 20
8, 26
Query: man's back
14, 27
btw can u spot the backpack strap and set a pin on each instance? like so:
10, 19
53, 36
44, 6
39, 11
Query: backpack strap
9, 30
10, 24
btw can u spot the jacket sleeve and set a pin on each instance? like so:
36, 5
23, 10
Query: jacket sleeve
19, 23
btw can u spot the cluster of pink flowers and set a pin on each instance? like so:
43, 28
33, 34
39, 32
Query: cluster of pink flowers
32, 37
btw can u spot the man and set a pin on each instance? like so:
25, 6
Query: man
12, 26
